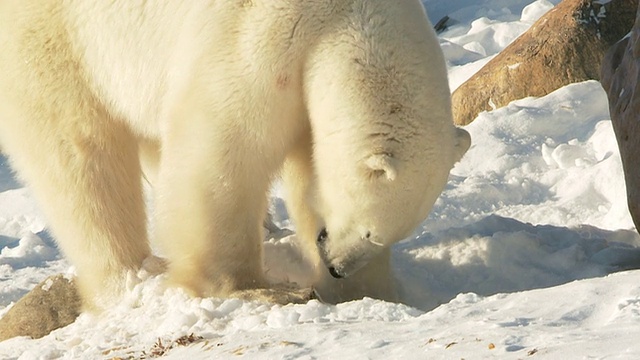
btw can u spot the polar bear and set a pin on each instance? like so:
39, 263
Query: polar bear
347, 99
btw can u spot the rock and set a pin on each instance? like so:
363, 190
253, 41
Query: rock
620, 77
564, 46
52, 304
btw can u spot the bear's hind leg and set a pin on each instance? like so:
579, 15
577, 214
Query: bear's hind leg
83, 168
80, 163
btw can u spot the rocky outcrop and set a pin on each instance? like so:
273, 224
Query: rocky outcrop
52, 304
620, 78
564, 46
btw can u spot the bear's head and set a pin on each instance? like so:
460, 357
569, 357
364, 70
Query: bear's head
379, 107
371, 202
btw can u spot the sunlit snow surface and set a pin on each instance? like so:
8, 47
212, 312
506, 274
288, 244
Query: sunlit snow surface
517, 260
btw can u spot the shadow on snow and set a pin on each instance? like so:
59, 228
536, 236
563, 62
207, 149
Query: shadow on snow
498, 255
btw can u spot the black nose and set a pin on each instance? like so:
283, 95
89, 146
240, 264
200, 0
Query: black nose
322, 236
335, 273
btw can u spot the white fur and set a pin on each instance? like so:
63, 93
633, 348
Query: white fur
213, 97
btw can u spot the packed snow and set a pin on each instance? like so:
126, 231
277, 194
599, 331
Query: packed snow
528, 253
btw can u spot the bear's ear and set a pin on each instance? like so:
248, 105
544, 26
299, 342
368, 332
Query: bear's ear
383, 164
463, 142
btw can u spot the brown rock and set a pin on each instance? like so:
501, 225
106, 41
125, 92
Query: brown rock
52, 304
564, 46
620, 79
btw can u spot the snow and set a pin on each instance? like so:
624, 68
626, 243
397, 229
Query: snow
528, 253
481, 29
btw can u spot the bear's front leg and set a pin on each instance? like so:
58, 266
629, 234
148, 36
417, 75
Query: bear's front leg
211, 198
209, 211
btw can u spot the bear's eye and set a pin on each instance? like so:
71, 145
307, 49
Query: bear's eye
323, 235
367, 235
